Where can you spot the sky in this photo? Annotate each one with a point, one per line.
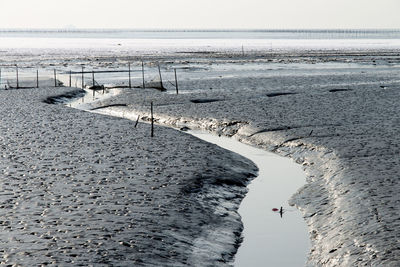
(204, 14)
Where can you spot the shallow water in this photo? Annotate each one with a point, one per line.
(269, 240)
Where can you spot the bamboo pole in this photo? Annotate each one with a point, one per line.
(176, 82)
(0, 77)
(144, 87)
(93, 82)
(37, 78)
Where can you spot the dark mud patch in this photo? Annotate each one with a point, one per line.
(339, 90)
(108, 106)
(65, 97)
(204, 100)
(280, 94)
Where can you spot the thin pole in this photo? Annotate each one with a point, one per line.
(17, 77)
(94, 91)
(70, 77)
(37, 78)
(0, 77)
(176, 82)
(137, 120)
(152, 121)
(55, 78)
(144, 87)
(129, 67)
(159, 72)
(83, 81)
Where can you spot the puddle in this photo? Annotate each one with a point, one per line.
(269, 240)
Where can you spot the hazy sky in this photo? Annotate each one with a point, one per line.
(165, 14)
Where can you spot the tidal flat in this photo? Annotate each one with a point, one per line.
(83, 187)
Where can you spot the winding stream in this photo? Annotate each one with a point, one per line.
(269, 240)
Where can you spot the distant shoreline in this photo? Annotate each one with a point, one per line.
(74, 30)
(201, 34)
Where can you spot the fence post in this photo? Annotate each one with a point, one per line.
(176, 82)
(17, 77)
(94, 91)
(152, 120)
(159, 72)
(83, 81)
(37, 78)
(144, 87)
(137, 120)
(70, 78)
(55, 78)
(129, 67)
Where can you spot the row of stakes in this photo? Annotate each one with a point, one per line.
(93, 82)
(93, 79)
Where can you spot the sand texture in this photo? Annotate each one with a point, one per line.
(341, 122)
(85, 189)
(335, 111)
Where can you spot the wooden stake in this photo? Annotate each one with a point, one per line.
(159, 72)
(94, 91)
(176, 82)
(37, 78)
(17, 76)
(152, 121)
(137, 120)
(144, 87)
(70, 77)
(129, 67)
(83, 81)
(0, 77)
(55, 78)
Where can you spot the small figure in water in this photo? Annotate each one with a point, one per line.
(278, 210)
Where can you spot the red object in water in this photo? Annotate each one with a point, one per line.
(275, 209)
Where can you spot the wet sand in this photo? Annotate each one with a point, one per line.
(80, 188)
(334, 112)
(338, 121)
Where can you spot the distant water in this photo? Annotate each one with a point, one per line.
(119, 41)
(68, 49)
(202, 34)
(159, 41)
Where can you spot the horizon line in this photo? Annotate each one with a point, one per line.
(77, 29)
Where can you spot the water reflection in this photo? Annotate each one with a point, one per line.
(274, 233)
